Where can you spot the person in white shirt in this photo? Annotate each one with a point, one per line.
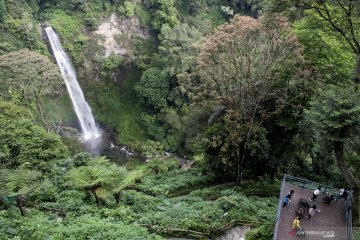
(344, 192)
(315, 194)
(312, 211)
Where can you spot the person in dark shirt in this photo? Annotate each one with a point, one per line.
(286, 200)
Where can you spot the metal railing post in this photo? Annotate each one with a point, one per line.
(279, 208)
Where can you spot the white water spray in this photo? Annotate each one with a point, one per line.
(82, 108)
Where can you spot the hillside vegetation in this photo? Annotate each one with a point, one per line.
(221, 97)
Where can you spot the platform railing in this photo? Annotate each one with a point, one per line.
(348, 216)
(277, 218)
(307, 184)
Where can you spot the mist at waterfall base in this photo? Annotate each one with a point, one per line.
(91, 135)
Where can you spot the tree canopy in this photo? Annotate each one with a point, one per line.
(23, 142)
(239, 68)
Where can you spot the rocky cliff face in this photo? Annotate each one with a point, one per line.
(117, 35)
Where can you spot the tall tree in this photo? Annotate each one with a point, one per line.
(334, 116)
(23, 142)
(342, 18)
(241, 66)
(30, 74)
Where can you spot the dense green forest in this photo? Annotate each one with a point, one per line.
(203, 106)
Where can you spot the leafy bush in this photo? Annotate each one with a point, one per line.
(47, 192)
(172, 181)
(42, 226)
(162, 164)
(143, 15)
(194, 213)
(127, 9)
(70, 29)
(21, 141)
(153, 88)
(264, 232)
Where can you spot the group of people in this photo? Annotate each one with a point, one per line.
(343, 194)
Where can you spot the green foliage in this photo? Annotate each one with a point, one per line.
(176, 48)
(262, 188)
(98, 176)
(190, 7)
(173, 181)
(46, 192)
(152, 149)
(118, 107)
(328, 53)
(67, 26)
(23, 142)
(215, 15)
(263, 232)
(58, 110)
(127, 8)
(334, 113)
(194, 213)
(109, 65)
(30, 74)
(19, 181)
(161, 164)
(162, 12)
(70, 29)
(2, 10)
(18, 29)
(153, 88)
(91, 21)
(143, 15)
(41, 226)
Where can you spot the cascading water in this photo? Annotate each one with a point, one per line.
(82, 108)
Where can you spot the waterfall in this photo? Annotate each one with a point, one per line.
(81, 107)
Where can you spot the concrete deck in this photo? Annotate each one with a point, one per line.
(331, 219)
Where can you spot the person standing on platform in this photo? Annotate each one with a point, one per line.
(286, 200)
(296, 226)
(312, 211)
(291, 195)
(315, 194)
(343, 194)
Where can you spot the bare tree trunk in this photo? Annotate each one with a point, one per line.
(19, 203)
(27, 106)
(238, 166)
(41, 112)
(117, 197)
(345, 172)
(357, 69)
(241, 154)
(96, 198)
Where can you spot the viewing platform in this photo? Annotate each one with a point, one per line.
(331, 221)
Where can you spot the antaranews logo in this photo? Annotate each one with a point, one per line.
(324, 234)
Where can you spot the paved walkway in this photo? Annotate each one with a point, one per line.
(235, 233)
(330, 219)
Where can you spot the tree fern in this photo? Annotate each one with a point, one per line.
(99, 177)
(19, 181)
